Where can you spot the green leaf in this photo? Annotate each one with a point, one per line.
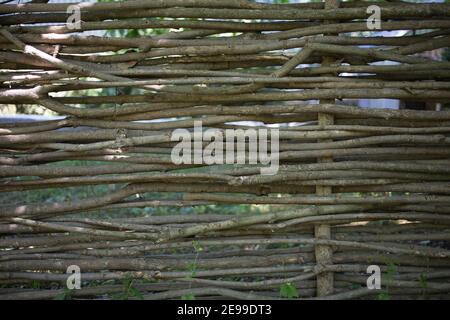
(383, 296)
(132, 33)
(66, 295)
(391, 271)
(197, 246)
(288, 290)
(119, 296)
(60, 296)
(188, 297)
(135, 293)
(192, 268)
(423, 281)
(35, 284)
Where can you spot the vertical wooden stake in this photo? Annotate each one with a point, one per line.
(325, 281)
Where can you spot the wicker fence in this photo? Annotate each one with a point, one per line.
(355, 186)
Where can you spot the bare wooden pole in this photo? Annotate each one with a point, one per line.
(325, 281)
